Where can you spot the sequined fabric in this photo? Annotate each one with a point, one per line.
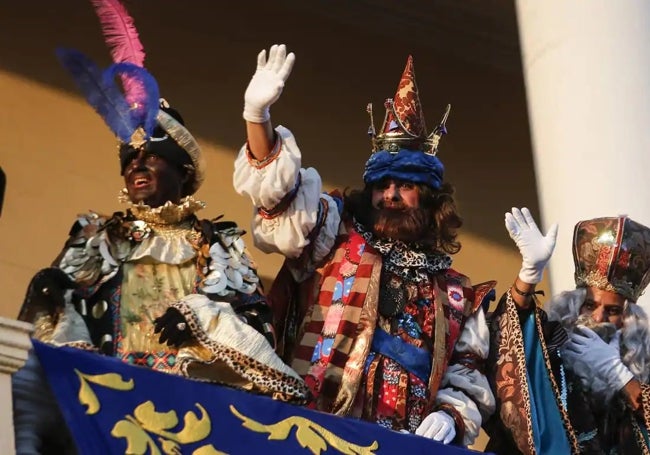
(612, 254)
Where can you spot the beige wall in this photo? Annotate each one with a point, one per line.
(60, 159)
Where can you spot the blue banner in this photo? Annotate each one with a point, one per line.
(115, 408)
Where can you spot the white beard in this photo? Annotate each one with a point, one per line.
(635, 336)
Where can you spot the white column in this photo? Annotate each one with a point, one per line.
(14, 346)
(587, 71)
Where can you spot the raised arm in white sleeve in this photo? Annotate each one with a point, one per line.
(280, 226)
(291, 211)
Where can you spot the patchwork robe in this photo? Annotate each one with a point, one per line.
(326, 303)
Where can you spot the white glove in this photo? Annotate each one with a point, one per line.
(438, 426)
(267, 83)
(595, 359)
(535, 249)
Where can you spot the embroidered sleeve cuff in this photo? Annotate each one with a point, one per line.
(257, 164)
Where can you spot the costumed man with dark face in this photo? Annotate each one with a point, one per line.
(155, 285)
(367, 307)
(574, 379)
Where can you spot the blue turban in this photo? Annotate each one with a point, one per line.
(407, 165)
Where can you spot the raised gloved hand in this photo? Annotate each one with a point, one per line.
(46, 292)
(267, 83)
(173, 328)
(535, 248)
(438, 426)
(593, 358)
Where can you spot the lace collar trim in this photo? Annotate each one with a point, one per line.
(167, 213)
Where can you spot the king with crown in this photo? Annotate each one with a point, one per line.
(574, 379)
(367, 307)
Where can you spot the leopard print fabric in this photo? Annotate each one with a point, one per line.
(264, 379)
(410, 262)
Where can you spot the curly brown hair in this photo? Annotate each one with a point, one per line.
(437, 207)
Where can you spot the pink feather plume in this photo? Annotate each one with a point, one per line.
(120, 33)
(121, 37)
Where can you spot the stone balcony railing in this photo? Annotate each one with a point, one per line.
(14, 346)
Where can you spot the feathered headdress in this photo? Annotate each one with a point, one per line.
(131, 125)
(122, 39)
(136, 113)
(119, 31)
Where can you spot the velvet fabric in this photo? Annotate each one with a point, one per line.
(407, 165)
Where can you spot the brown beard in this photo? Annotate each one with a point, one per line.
(438, 232)
(410, 225)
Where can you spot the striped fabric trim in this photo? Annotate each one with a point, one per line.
(347, 336)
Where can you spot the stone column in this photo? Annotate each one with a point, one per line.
(14, 346)
(587, 72)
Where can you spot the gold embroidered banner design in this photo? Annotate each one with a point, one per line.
(310, 435)
(149, 431)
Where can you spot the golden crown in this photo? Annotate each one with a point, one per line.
(404, 126)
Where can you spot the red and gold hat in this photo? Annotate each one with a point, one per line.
(404, 126)
(403, 150)
(612, 254)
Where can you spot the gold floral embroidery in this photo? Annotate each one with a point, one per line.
(88, 397)
(149, 431)
(310, 435)
(145, 419)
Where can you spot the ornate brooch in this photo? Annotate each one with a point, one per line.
(138, 231)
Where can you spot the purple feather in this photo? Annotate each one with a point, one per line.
(144, 108)
(106, 99)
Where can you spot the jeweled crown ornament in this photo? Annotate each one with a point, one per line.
(404, 126)
(612, 254)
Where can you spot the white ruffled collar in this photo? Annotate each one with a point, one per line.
(169, 244)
